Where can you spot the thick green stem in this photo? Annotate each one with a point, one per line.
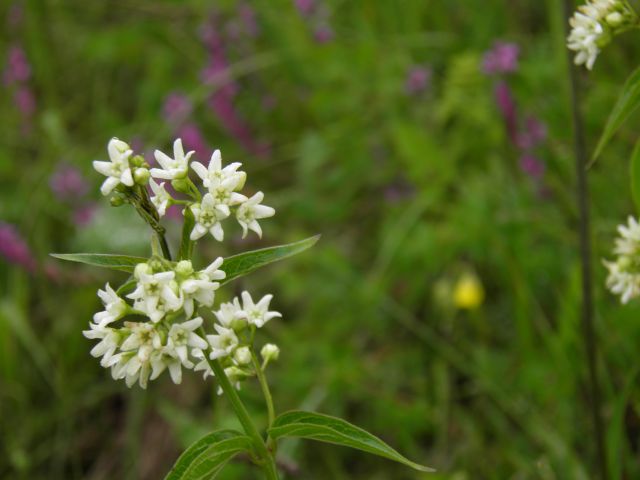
(268, 464)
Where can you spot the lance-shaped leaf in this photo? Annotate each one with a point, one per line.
(244, 263)
(124, 263)
(628, 101)
(207, 457)
(324, 428)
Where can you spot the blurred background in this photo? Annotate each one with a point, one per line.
(429, 143)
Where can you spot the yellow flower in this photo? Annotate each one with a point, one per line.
(468, 292)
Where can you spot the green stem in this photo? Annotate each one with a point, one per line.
(584, 232)
(265, 388)
(268, 462)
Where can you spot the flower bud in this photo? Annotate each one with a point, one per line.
(184, 268)
(137, 161)
(116, 201)
(142, 268)
(242, 355)
(238, 324)
(615, 19)
(141, 176)
(270, 352)
(181, 185)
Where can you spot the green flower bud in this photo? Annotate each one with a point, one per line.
(141, 176)
(270, 352)
(137, 161)
(117, 200)
(242, 355)
(615, 19)
(184, 268)
(238, 324)
(181, 185)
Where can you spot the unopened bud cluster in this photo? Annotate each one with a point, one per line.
(594, 25)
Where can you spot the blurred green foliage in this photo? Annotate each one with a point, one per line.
(410, 191)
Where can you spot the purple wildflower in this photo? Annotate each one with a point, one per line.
(193, 140)
(25, 101)
(14, 249)
(17, 69)
(68, 183)
(83, 215)
(305, 7)
(418, 79)
(533, 134)
(176, 107)
(532, 166)
(502, 58)
(323, 33)
(222, 99)
(507, 106)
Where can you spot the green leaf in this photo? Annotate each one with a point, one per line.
(635, 175)
(186, 245)
(123, 263)
(626, 104)
(244, 263)
(208, 456)
(324, 428)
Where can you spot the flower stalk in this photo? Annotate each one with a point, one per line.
(587, 313)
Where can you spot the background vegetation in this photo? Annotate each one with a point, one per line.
(440, 309)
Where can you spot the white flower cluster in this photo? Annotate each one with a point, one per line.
(624, 272)
(222, 186)
(232, 342)
(167, 295)
(593, 26)
(141, 351)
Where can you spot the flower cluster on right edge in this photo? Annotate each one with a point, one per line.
(624, 272)
(152, 324)
(594, 25)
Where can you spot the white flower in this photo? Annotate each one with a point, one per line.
(114, 307)
(172, 168)
(629, 241)
(182, 336)
(156, 293)
(624, 272)
(131, 367)
(231, 315)
(208, 215)
(109, 341)
(160, 197)
(257, 313)
(222, 344)
(142, 335)
(117, 170)
(250, 212)
(270, 352)
(165, 358)
(584, 38)
(199, 286)
(215, 175)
